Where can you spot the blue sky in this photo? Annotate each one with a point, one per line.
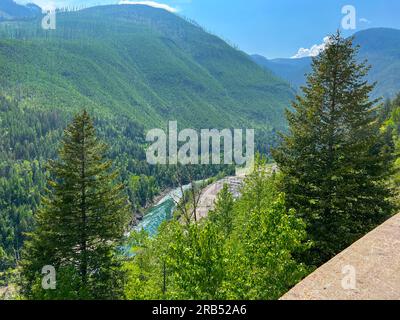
(273, 28)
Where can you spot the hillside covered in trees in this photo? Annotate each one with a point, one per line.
(141, 62)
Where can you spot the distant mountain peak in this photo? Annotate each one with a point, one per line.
(380, 46)
(10, 10)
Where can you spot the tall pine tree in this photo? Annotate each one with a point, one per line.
(333, 166)
(80, 223)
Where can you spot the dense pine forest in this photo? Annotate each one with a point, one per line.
(74, 177)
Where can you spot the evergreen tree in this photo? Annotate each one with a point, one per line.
(80, 223)
(391, 130)
(333, 166)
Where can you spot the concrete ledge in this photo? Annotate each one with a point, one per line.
(367, 270)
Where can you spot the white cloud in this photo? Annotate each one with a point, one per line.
(152, 4)
(314, 51)
(365, 20)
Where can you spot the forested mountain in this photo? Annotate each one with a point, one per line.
(9, 10)
(382, 49)
(381, 46)
(145, 63)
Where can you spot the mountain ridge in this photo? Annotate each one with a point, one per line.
(380, 46)
(144, 62)
(10, 10)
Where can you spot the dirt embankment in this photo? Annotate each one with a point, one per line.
(210, 193)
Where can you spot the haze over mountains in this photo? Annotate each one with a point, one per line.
(380, 46)
(9, 10)
(292, 70)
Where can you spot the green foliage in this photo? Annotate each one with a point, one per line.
(243, 250)
(143, 189)
(196, 261)
(265, 239)
(391, 131)
(333, 164)
(80, 222)
(19, 196)
(222, 215)
(263, 267)
(8, 280)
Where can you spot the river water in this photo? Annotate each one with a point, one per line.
(162, 211)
